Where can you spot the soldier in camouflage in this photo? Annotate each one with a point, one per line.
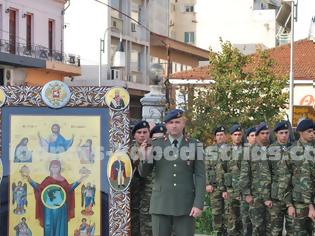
(279, 177)
(228, 181)
(254, 182)
(300, 197)
(217, 205)
(140, 186)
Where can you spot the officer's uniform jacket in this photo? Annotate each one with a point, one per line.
(179, 184)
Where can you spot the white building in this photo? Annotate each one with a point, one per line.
(31, 34)
(245, 23)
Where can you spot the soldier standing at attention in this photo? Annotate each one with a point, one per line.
(140, 217)
(253, 180)
(229, 175)
(179, 181)
(251, 136)
(279, 177)
(217, 203)
(300, 198)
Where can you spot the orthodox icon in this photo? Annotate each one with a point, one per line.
(88, 199)
(19, 197)
(2, 97)
(119, 171)
(117, 98)
(85, 152)
(55, 143)
(85, 229)
(22, 228)
(22, 153)
(54, 199)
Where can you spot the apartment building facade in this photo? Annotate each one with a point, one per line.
(31, 43)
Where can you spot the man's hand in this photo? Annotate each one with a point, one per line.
(268, 203)
(144, 150)
(249, 199)
(291, 211)
(209, 188)
(195, 212)
(311, 212)
(225, 195)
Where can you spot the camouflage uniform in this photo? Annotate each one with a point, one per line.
(301, 191)
(140, 194)
(217, 204)
(254, 181)
(279, 183)
(228, 178)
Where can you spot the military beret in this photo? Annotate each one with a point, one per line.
(305, 125)
(158, 128)
(235, 128)
(140, 125)
(281, 126)
(250, 130)
(218, 129)
(314, 126)
(262, 126)
(173, 114)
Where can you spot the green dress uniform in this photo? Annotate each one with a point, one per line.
(178, 185)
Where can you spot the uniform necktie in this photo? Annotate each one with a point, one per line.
(175, 142)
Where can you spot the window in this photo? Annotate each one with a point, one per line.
(29, 26)
(189, 8)
(12, 30)
(51, 29)
(189, 37)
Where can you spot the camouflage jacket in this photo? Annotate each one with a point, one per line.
(301, 185)
(213, 155)
(229, 169)
(255, 177)
(279, 175)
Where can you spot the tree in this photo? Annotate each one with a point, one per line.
(245, 90)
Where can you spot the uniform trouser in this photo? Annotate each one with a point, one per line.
(233, 219)
(162, 225)
(258, 217)
(276, 215)
(145, 217)
(217, 210)
(300, 225)
(246, 223)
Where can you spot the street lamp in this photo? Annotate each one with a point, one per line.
(291, 89)
(119, 57)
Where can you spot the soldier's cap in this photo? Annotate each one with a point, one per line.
(173, 114)
(157, 129)
(140, 125)
(314, 126)
(262, 126)
(219, 129)
(250, 130)
(282, 125)
(235, 128)
(305, 125)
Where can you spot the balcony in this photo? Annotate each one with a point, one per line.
(37, 52)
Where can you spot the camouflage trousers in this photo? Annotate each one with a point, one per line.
(246, 223)
(140, 194)
(217, 210)
(232, 217)
(276, 215)
(259, 218)
(300, 225)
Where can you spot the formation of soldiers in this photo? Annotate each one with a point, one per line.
(263, 188)
(255, 187)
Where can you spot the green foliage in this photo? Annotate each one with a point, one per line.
(245, 90)
(204, 222)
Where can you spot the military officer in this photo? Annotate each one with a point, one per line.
(159, 130)
(140, 187)
(300, 197)
(179, 181)
(279, 177)
(253, 178)
(228, 176)
(217, 204)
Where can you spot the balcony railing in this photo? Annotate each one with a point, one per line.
(37, 51)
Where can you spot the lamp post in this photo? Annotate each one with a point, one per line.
(102, 50)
